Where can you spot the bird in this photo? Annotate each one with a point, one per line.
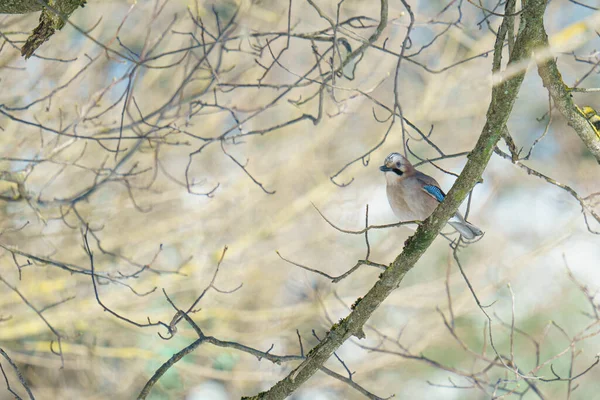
(414, 195)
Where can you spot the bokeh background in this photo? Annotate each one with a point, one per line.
(533, 230)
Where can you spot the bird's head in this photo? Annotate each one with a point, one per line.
(396, 164)
(396, 168)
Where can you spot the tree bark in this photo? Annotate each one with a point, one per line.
(20, 6)
(53, 17)
(503, 98)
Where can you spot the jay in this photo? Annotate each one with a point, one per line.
(413, 195)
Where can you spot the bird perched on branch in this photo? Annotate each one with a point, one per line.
(413, 195)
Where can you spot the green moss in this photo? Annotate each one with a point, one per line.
(257, 397)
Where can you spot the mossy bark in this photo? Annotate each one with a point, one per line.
(53, 17)
(20, 6)
(500, 108)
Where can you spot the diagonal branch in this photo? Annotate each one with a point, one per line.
(19, 375)
(561, 94)
(503, 99)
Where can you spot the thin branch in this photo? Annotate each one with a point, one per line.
(19, 376)
(503, 98)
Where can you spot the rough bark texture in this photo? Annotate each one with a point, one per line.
(548, 71)
(53, 17)
(503, 99)
(20, 6)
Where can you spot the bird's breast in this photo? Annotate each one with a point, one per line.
(410, 203)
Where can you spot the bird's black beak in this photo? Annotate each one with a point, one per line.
(383, 168)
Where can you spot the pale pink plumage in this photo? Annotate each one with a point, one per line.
(412, 195)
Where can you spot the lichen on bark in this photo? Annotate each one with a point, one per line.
(503, 98)
(53, 17)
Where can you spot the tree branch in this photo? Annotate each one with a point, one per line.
(20, 6)
(52, 18)
(561, 94)
(503, 99)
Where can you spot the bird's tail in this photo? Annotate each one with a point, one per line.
(466, 229)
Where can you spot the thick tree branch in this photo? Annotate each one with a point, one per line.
(20, 6)
(53, 17)
(561, 94)
(503, 99)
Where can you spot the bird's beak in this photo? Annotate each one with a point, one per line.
(383, 168)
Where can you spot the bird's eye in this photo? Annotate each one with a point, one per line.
(398, 165)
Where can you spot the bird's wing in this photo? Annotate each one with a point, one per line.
(435, 192)
(430, 186)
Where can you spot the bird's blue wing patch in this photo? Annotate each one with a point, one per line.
(435, 192)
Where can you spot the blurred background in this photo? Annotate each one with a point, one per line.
(174, 133)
